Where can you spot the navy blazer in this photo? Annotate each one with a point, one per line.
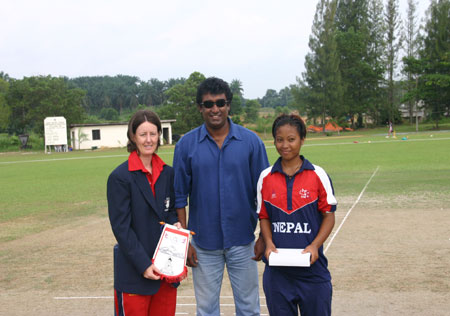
(135, 215)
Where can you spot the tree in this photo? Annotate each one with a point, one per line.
(376, 46)
(238, 97)
(393, 45)
(434, 64)
(251, 110)
(301, 94)
(5, 110)
(236, 105)
(270, 99)
(181, 104)
(358, 46)
(236, 88)
(32, 99)
(322, 64)
(109, 114)
(412, 44)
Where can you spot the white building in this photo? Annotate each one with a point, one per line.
(109, 135)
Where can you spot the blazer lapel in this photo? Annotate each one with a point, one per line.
(144, 186)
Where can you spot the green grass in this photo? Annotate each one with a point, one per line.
(40, 191)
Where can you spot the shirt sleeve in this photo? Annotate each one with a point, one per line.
(327, 200)
(259, 160)
(182, 180)
(261, 207)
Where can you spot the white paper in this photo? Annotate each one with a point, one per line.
(289, 258)
(170, 254)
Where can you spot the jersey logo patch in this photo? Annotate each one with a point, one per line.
(304, 194)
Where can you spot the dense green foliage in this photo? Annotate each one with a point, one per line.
(352, 76)
(432, 67)
(32, 99)
(355, 47)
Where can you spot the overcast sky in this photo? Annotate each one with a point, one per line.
(262, 43)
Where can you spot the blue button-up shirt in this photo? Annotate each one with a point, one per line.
(221, 185)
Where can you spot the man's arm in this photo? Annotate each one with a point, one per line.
(192, 260)
(181, 212)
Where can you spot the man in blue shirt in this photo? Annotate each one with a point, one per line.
(217, 166)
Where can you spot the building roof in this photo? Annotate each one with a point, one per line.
(113, 123)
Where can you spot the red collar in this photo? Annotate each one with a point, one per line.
(135, 163)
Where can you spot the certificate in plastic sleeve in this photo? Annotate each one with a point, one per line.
(171, 253)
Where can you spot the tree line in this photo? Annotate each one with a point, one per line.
(364, 61)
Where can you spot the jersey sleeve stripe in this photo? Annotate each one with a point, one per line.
(331, 199)
(263, 174)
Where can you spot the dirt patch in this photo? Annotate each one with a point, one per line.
(384, 261)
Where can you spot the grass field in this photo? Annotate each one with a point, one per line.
(62, 197)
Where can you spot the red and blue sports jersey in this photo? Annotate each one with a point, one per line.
(294, 206)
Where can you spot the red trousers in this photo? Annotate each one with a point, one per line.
(163, 303)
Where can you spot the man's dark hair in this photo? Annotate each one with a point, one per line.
(137, 119)
(213, 86)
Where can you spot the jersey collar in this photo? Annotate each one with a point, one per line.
(306, 165)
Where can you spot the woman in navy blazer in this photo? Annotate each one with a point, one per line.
(140, 196)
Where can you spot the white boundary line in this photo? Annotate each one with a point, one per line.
(373, 142)
(112, 297)
(351, 208)
(268, 147)
(70, 158)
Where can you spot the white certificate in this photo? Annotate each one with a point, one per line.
(289, 258)
(171, 252)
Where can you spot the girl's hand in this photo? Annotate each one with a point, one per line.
(177, 225)
(152, 273)
(270, 248)
(314, 251)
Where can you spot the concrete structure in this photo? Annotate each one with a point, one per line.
(109, 135)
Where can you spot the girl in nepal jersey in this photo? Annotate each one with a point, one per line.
(296, 206)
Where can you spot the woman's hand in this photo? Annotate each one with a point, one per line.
(152, 273)
(314, 251)
(270, 247)
(177, 225)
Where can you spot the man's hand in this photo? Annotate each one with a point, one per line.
(259, 248)
(192, 260)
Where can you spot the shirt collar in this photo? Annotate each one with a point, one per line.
(306, 165)
(135, 163)
(233, 132)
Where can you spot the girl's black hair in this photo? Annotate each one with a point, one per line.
(137, 119)
(291, 119)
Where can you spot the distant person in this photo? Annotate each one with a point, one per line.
(296, 206)
(391, 129)
(140, 196)
(217, 167)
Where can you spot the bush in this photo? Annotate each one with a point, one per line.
(12, 142)
(109, 114)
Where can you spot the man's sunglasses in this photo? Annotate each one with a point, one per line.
(209, 104)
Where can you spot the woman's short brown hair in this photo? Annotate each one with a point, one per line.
(137, 119)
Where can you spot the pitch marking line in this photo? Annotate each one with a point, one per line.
(350, 210)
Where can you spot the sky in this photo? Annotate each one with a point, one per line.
(261, 43)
